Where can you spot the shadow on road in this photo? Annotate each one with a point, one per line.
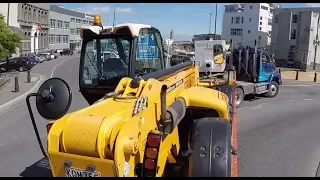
(38, 169)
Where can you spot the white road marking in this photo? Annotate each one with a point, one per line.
(295, 85)
(6, 106)
(287, 101)
(59, 65)
(308, 99)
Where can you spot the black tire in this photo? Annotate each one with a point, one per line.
(239, 96)
(21, 69)
(211, 145)
(273, 90)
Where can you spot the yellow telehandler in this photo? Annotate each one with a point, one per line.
(144, 120)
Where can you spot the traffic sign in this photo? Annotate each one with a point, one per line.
(147, 47)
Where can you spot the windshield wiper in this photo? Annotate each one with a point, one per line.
(97, 70)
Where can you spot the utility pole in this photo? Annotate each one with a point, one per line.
(215, 22)
(210, 23)
(316, 43)
(114, 14)
(8, 14)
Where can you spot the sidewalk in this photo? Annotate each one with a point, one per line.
(303, 76)
(7, 92)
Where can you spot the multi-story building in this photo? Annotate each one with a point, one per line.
(294, 34)
(30, 20)
(65, 27)
(248, 23)
(199, 37)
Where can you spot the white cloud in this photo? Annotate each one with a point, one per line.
(313, 4)
(102, 10)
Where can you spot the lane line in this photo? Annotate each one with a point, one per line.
(59, 65)
(7, 105)
(308, 99)
(295, 85)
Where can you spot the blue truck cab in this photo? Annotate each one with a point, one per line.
(256, 74)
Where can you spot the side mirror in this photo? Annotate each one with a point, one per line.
(53, 98)
(53, 101)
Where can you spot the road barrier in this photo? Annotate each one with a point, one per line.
(28, 76)
(16, 84)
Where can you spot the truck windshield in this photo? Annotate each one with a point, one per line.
(105, 59)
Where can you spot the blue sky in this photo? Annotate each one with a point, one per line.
(186, 19)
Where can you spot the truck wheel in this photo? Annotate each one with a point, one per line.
(273, 90)
(211, 146)
(239, 96)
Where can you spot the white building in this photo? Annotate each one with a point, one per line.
(245, 23)
(294, 33)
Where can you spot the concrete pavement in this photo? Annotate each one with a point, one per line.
(280, 136)
(277, 137)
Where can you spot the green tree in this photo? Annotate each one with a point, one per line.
(9, 40)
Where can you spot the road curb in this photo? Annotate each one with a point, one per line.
(8, 105)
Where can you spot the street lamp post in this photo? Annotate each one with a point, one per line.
(210, 23)
(114, 14)
(215, 22)
(316, 43)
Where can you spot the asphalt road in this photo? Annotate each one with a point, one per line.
(277, 137)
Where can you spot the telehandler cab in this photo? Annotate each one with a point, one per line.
(144, 120)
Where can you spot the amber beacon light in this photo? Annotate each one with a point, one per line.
(97, 20)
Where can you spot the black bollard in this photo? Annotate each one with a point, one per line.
(315, 77)
(28, 77)
(16, 84)
(280, 71)
(297, 75)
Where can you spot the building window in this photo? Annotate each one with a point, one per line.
(294, 18)
(78, 21)
(270, 22)
(249, 19)
(259, 37)
(260, 23)
(59, 39)
(236, 32)
(65, 39)
(237, 20)
(78, 31)
(292, 48)
(231, 20)
(72, 20)
(66, 25)
(90, 22)
(72, 31)
(52, 23)
(260, 28)
(52, 39)
(249, 31)
(59, 24)
(293, 34)
(242, 20)
(260, 17)
(250, 7)
(85, 22)
(276, 19)
(271, 11)
(264, 8)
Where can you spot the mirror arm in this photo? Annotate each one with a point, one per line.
(34, 122)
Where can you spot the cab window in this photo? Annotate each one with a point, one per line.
(149, 56)
(217, 49)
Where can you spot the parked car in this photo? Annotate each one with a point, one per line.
(35, 59)
(66, 52)
(21, 63)
(41, 58)
(179, 59)
(55, 54)
(45, 56)
(48, 55)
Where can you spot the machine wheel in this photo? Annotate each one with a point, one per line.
(211, 146)
(273, 90)
(239, 96)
